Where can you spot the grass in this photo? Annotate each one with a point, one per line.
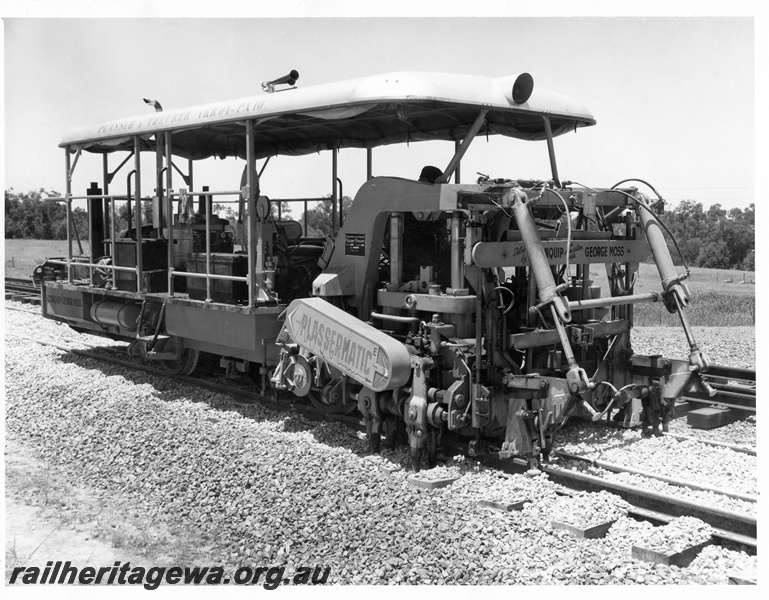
(701, 280)
(710, 309)
(21, 256)
(716, 302)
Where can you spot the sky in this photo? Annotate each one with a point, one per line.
(673, 96)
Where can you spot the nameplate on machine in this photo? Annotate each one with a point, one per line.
(513, 254)
(66, 303)
(355, 244)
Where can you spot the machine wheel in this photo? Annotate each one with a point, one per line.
(329, 400)
(184, 366)
(299, 373)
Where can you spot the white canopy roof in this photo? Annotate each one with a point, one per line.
(358, 113)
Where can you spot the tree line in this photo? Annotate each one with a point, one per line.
(714, 238)
(37, 215)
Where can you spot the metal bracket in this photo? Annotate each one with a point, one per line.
(582, 336)
(111, 176)
(74, 164)
(187, 178)
(457, 397)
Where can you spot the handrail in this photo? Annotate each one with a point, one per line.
(207, 193)
(72, 263)
(95, 197)
(207, 275)
(54, 261)
(176, 273)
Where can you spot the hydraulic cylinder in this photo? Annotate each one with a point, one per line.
(674, 293)
(548, 291)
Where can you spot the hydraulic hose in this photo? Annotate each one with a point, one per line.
(648, 208)
(646, 183)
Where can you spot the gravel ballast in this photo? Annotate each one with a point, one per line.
(268, 488)
(727, 346)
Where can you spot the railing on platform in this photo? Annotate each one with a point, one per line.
(182, 195)
(183, 208)
(70, 263)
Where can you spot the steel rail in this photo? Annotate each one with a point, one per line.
(746, 404)
(13, 284)
(720, 380)
(730, 372)
(734, 391)
(734, 447)
(615, 468)
(22, 290)
(725, 520)
(19, 280)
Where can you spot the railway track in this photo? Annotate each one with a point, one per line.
(22, 290)
(729, 526)
(735, 388)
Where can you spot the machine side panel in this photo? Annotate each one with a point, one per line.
(230, 329)
(63, 303)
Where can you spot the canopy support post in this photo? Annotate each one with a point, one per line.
(138, 199)
(334, 166)
(169, 213)
(459, 164)
(189, 179)
(105, 187)
(551, 151)
(68, 196)
(454, 163)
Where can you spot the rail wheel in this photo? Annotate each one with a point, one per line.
(329, 399)
(184, 366)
